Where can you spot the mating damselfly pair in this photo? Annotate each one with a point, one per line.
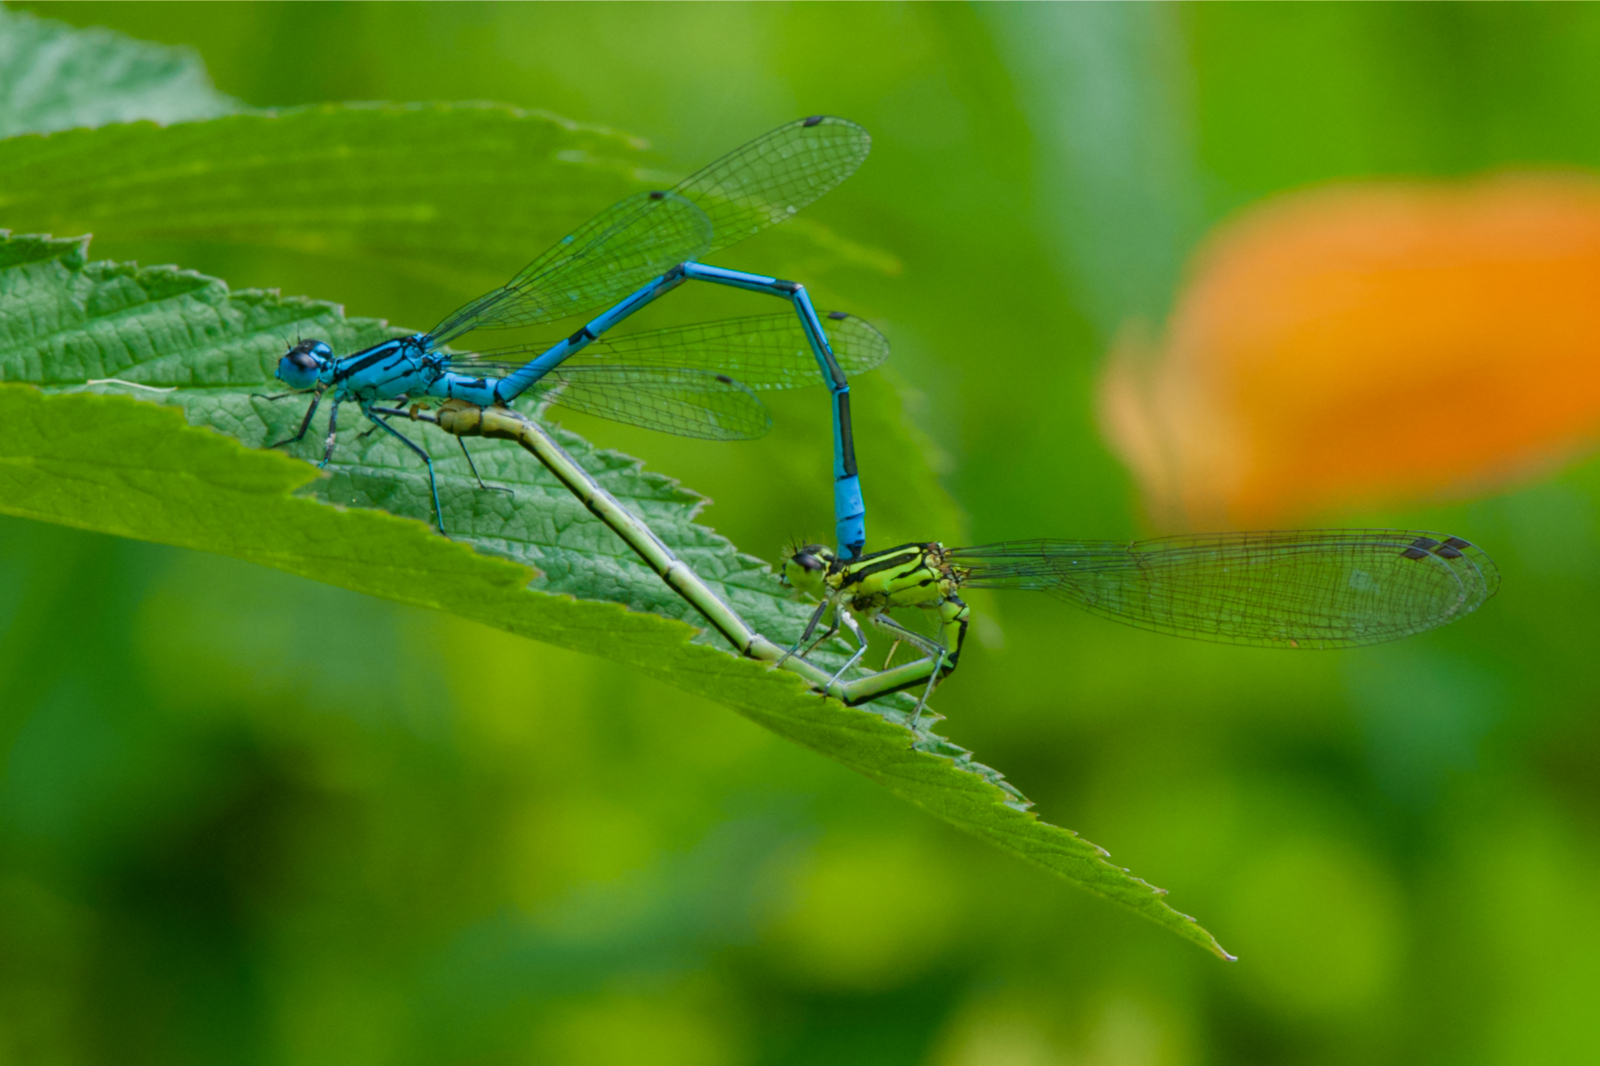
(1299, 589)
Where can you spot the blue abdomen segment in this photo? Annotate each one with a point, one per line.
(849, 513)
(849, 508)
(482, 391)
(518, 382)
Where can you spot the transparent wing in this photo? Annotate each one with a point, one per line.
(687, 403)
(1321, 588)
(775, 176)
(601, 261)
(747, 190)
(763, 352)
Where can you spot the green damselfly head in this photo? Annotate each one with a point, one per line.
(805, 566)
(303, 364)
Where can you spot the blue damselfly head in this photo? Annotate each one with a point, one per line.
(302, 365)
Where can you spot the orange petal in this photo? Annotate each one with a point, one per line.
(1360, 345)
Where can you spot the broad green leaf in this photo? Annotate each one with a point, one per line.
(89, 438)
(462, 193)
(54, 77)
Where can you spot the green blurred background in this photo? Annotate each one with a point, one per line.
(247, 818)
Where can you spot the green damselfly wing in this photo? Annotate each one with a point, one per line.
(1303, 588)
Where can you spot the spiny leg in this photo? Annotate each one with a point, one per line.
(811, 627)
(933, 679)
(387, 413)
(474, 468)
(861, 641)
(928, 645)
(333, 433)
(305, 423)
(370, 430)
(933, 649)
(433, 482)
(833, 629)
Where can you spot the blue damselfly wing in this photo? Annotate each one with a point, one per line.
(685, 403)
(755, 186)
(762, 351)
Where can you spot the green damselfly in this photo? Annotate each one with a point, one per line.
(1317, 588)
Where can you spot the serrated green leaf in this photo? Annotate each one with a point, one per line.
(189, 469)
(55, 77)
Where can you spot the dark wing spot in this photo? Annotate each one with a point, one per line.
(1415, 553)
(1457, 543)
(837, 315)
(725, 379)
(1425, 543)
(812, 121)
(1444, 551)
(658, 195)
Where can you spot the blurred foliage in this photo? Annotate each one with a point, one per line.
(54, 77)
(250, 818)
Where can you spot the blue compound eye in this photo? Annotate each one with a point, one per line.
(301, 364)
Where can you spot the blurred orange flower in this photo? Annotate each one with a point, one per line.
(1357, 345)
